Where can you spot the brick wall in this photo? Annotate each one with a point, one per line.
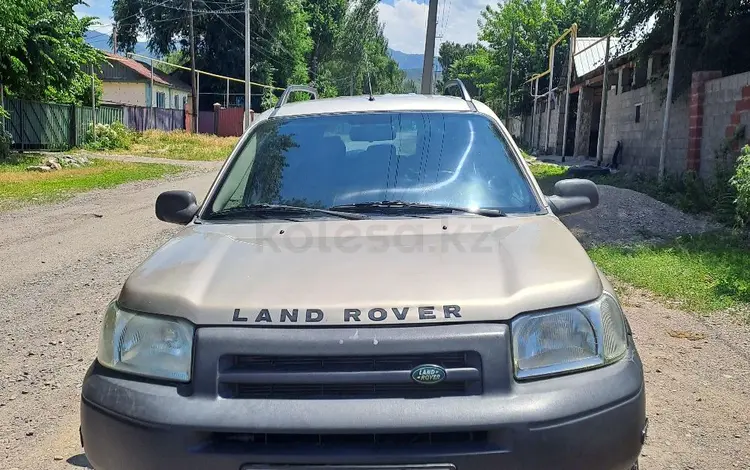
(726, 105)
(641, 141)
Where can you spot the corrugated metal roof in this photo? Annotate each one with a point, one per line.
(590, 52)
(136, 67)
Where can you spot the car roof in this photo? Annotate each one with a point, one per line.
(362, 103)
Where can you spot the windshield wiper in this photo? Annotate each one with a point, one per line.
(415, 206)
(267, 210)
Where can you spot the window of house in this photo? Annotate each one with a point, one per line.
(184, 102)
(161, 99)
(177, 102)
(638, 112)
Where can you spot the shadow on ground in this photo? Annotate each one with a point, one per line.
(79, 460)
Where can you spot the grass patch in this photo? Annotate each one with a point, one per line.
(180, 145)
(703, 273)
(547, 174)
(18, 186)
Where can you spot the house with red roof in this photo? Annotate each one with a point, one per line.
(126, 81)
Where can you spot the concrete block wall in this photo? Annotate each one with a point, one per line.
(556, 125)
(583, 124)
(726, 105)
(641, 141)
(542, 136)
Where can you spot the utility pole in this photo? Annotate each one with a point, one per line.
(510, 74)
(93, 102)
(534, 119)
(192, 70)
(571, 56)
(114, 38)
(248, 91)
(670, 85)
(549, 97)
(429, 48)
(603, 112)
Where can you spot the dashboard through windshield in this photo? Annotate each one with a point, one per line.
(439, 158)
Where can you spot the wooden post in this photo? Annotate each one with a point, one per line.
(93, 103)
(217, 109)
(603, 112)
(670, 86)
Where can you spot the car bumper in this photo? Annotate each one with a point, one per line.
(592, 420)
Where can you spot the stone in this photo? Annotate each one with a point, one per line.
(40, 168)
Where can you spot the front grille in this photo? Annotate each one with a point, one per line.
(363, 390)
(346, 377)
(352, 440)
(448, 360)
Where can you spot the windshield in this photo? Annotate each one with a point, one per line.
(451, 159)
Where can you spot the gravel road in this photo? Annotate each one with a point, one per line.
(61, 264)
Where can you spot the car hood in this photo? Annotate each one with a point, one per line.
(364, 272)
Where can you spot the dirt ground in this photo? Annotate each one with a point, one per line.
(61, 264)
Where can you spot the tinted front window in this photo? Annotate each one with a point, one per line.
(456, 159)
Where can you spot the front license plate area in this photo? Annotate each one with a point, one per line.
(349, 467)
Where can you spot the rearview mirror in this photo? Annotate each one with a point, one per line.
(176, 207)
(573, 195)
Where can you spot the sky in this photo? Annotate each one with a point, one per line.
(405, 21)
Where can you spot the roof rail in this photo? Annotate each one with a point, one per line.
(291, 89)
(457, 83)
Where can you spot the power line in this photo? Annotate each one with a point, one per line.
(280, 45)
(257, 46)
(442, 20)
(173, 7)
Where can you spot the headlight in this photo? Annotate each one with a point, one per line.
(147, 345)
(570, 339)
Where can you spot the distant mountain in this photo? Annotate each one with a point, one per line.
(410, 61)
(101, 41)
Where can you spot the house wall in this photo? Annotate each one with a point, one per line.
(641, 141)
(702, 120)
(169, 95)
(583, 124)
(131, 93)
(726, 106)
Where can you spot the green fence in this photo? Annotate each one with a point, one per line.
(84, 119)
(49, 126)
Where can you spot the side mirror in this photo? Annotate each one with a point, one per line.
(573, 195)
(176, 207)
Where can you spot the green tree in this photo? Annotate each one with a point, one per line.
(410, 86)
(178, 57)
(713, 35)
(43, 54)
(325, 18)
(535, 25)
(280, 37)
(464, 61)
(362, 50)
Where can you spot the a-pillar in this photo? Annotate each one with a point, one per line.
(583, 121)
(695, 134)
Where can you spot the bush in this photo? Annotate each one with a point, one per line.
(6, 140)
(740, 181)
(109, 137)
